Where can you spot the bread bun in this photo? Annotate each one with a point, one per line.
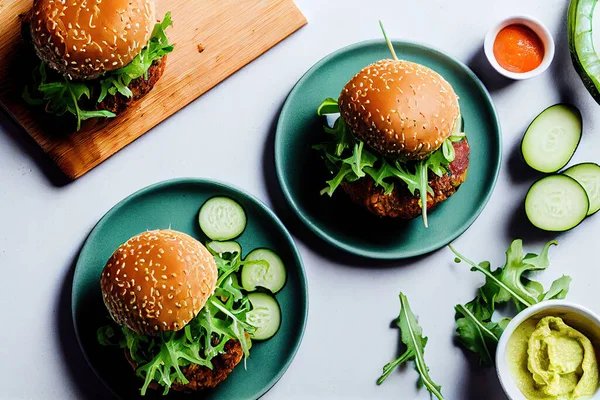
(399, 108)
(158, 281)
(84, 38)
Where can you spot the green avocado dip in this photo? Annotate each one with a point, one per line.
(549, 360)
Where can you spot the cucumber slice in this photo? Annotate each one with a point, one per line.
(581, 17)
(225, 247)
(556, 203)
(265, 315)
(222, 218)
(271, 276)
(551, 139)
(588, 176)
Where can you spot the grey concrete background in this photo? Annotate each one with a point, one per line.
(43, 222)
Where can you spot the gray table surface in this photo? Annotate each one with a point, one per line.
(43, 222)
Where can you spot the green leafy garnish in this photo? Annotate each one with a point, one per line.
(348, 159)
(161, 358)
(476, 329)
(62, 95)
(328, 106)
(412, 337)
(118, 80)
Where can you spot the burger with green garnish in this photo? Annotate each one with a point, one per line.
(177, 311)
(94, 57)
(398, 147)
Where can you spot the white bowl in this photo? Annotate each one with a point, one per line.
(535, 26)
(573, 314)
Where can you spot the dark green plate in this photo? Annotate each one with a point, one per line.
(301, 172)
(175, 204)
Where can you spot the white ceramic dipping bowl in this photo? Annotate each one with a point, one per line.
(574, 315)
(537, 27)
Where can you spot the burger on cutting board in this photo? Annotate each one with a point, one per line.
(94, 58)
(398, 147)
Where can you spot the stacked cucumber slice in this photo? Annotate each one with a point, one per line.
(263, 273)
(560, 201)
(265, 315)
(588, 176)
(556, 203)
(551, 139)
(267, 271)
(224, 247)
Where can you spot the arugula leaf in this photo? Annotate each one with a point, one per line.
(62, 95)
(348, 160)
(396, 170)
(160, 359)
(478, 334)
(360, 159)
(423, 178)
(436, 163)
(230, 288)
(342, 138)
(328, 106)
(476, 329)
(448, 151)
(512, 274)
(30, 99)
(379, 175)
(412, 337)
(558, 289)
(337, 180)
(521, 297)
(158, 45)
(107, 336)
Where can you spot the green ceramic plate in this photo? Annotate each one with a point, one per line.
(175, 204)
(346, 226)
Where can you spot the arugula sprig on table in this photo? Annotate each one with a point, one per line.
(413, 339)
(348, 160)
(60, 95)
(476, 329)
(223, 318)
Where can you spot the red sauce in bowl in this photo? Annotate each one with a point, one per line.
(519, 49)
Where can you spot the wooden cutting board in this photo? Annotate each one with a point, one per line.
(231, 32)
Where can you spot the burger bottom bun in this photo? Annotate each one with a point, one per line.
(401, 203)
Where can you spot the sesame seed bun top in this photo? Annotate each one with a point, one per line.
(399, 108)
(84, 38)
(158, 281)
